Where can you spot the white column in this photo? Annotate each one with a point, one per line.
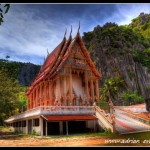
(65, 91)
(86, 87)
(92, 90)
(26, 126)
(41, 126)
(46, 128)
(21, 126)
(97, 90)
(58, 93)
(70, 87)
(32, 126)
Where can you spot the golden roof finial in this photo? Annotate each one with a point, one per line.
(79, 27)
(71, 30)
(65, 33)
(47, 52)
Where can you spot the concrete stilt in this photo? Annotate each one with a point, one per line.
(67, 127)
(61, 127)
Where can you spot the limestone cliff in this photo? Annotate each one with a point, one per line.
(118, 50)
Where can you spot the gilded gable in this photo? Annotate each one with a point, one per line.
(76, 52)
(77, 58)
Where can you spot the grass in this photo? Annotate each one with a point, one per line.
(140, 136)
(82, 135)
(5, 129)
(137, 136)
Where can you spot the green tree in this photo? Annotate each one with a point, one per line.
(132, 98)
(9, 98)
(110, 90)
(3, 10)
(22, 99)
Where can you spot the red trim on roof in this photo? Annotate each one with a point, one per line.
(68, 117)
(47, 64)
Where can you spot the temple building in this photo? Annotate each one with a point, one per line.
(60, 99)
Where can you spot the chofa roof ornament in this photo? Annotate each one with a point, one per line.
(71, 30)
(47, 52)
(79, 27)
(65, 33)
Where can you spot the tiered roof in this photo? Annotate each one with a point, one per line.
(57, 57)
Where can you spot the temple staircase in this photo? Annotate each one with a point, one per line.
(104, 120)
(126, 122)
(121, 121)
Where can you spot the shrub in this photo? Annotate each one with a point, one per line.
(132, 98)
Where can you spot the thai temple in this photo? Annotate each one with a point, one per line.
(60, 99)
(62, 96)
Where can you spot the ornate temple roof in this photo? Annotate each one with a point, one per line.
(57, 57)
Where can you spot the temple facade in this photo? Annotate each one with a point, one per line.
(68, 77)
(60, 99)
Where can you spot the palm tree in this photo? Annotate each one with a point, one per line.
(109, 92)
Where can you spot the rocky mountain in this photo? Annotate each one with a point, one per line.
(123, 50)
(27, 73)
(23, 72)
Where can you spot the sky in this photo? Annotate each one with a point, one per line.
(29, 30)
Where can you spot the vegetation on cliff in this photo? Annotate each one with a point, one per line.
(123, 51)
(23, 72)
(13, 85)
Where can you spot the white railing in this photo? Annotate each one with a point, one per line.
(135, 108)
(131, 115)
(104, 119)
(132, 123)
(54, 110)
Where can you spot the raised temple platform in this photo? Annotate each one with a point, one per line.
(54, 110)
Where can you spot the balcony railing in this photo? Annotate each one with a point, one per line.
(54, 110)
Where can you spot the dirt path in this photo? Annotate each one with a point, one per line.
(9, 140)
(64, 142)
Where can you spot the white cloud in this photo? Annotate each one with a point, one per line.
(126, 12)
(24, 35)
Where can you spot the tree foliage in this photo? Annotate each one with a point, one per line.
(132, 98)
(23, 72)
(9, 98)
(143, 57)
(22, 98)
(12, 95)
(141, 25)
(11, 67)
(111, 44)
(111, 88)
(3, 10)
